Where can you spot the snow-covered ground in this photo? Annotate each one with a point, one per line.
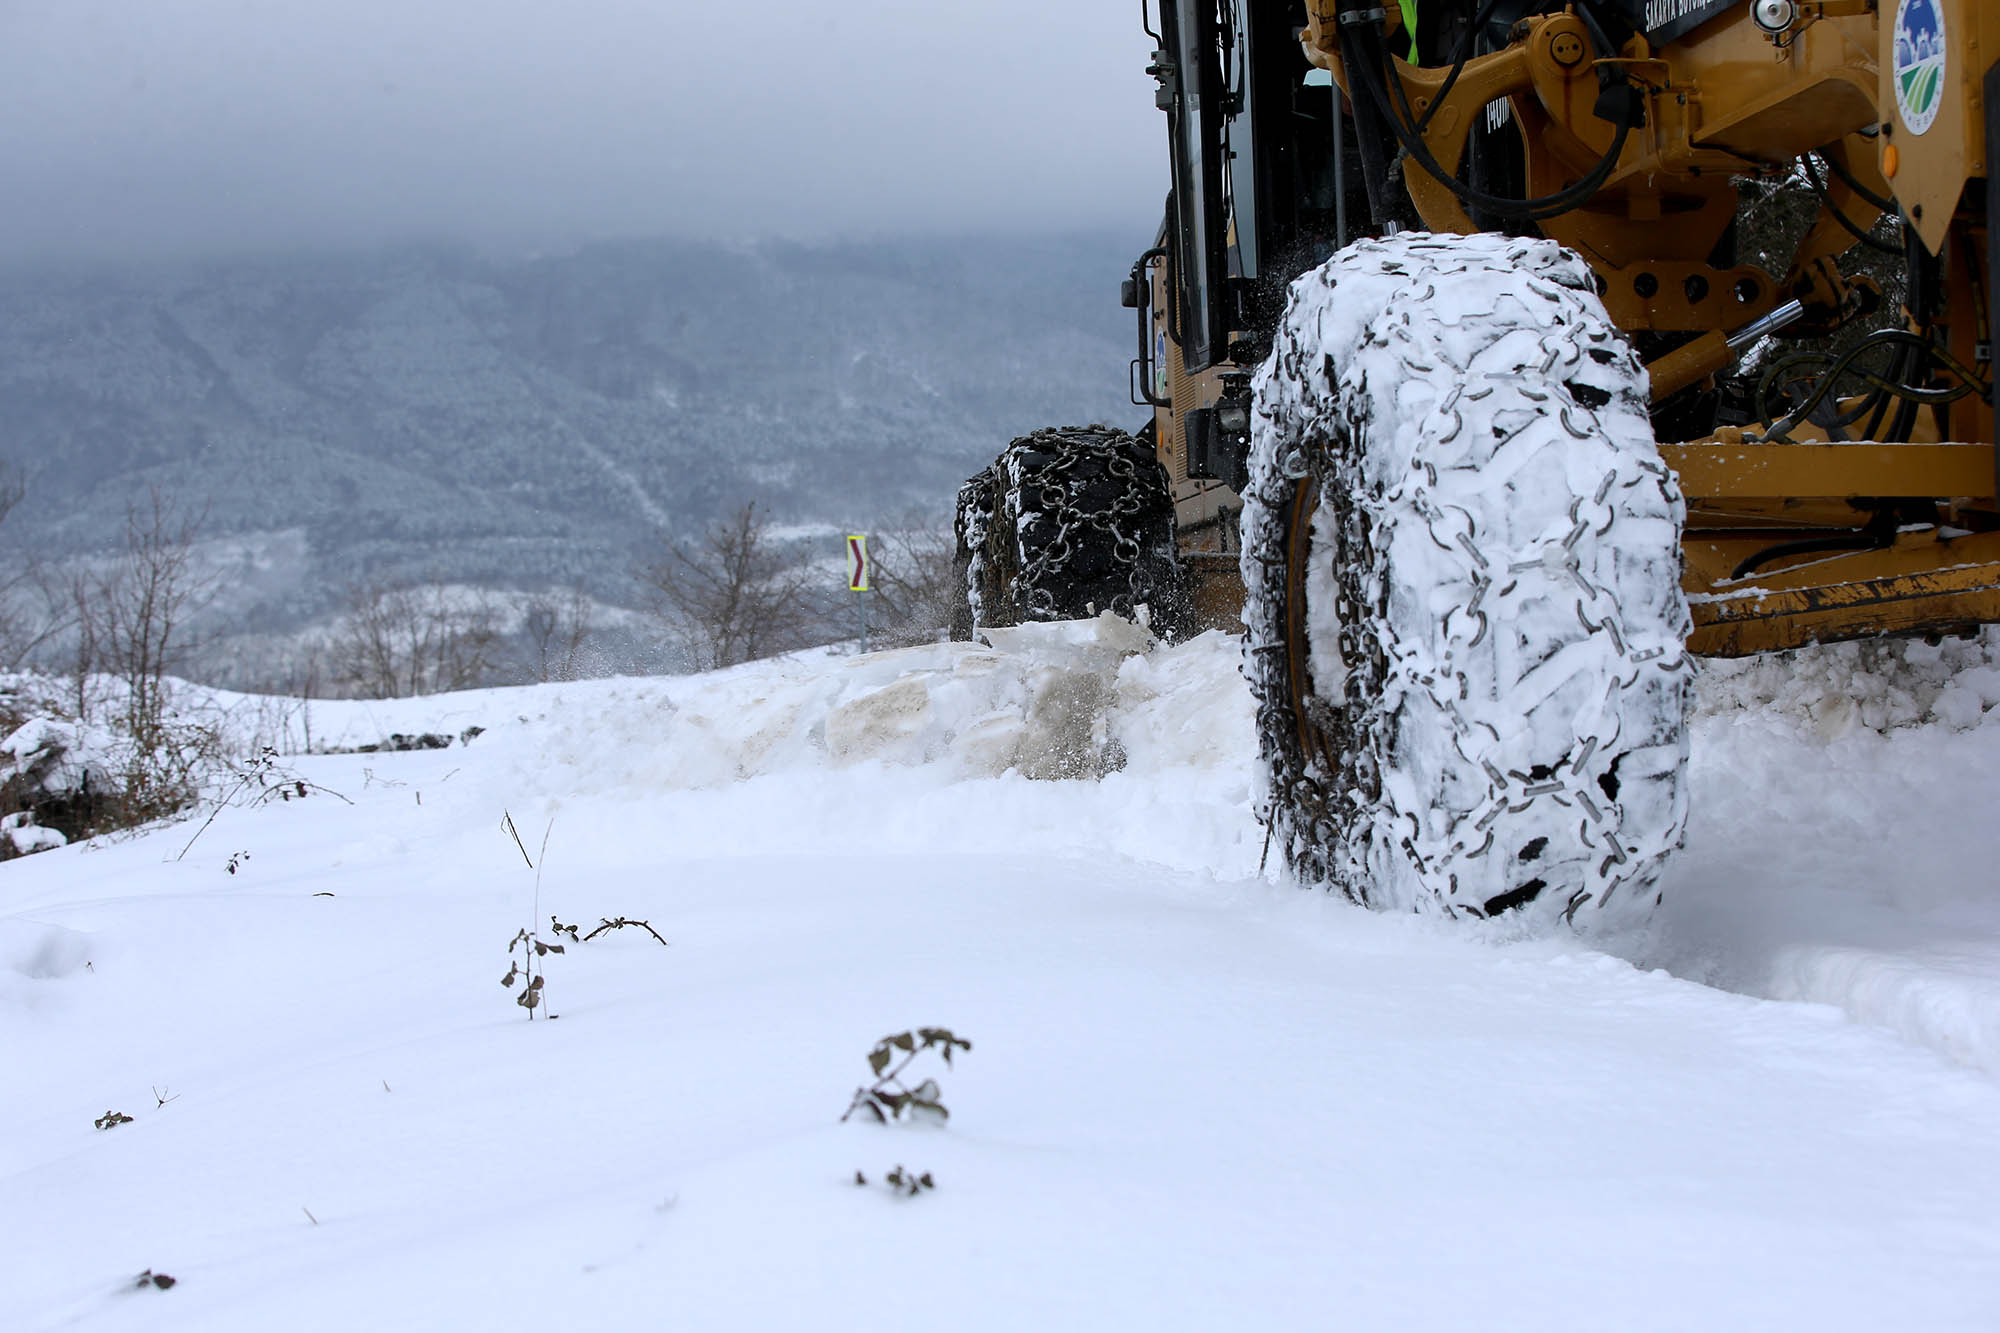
(1197, 1097)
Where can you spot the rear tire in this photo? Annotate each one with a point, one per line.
(1462, 573)
(1068, 523)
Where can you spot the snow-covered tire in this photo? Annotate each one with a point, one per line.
(1069, 522)
(1462, 570)
(973, 518)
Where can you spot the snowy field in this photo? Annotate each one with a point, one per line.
(1197, 1098)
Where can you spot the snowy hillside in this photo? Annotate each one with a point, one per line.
(434, 414)
(1196, 1097)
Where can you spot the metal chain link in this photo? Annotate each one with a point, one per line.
(1060, 468)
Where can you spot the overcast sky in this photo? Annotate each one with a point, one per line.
(133, 128)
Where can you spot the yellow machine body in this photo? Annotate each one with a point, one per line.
(1726, 99)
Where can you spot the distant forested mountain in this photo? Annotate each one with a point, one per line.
(444, 415)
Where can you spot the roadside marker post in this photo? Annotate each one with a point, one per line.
(859, 568)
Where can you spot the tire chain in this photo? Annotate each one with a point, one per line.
(1326, 804)
(1068, 521)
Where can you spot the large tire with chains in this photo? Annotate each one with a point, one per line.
(1069, 522)
(1465, 622)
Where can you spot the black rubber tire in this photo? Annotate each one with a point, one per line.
(1461, 558)
(1068, 523)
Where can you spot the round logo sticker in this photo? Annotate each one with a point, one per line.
(1919, 69)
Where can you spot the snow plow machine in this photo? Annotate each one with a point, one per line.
(1484, 402)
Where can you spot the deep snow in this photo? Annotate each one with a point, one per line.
(1197, 1098)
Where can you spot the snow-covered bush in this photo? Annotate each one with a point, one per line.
(68, 773)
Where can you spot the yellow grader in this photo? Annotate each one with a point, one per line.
(1476, 407)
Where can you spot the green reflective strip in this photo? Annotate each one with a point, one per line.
(1409, 8)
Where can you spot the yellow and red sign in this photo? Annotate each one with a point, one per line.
(858, 565)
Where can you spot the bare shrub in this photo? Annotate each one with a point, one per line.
(915, 579)
(557, 625)
(303, 682)
(137, 612)
(131, 626)
(110, 746)
(735, 594)
(415, 640)
(34, 611)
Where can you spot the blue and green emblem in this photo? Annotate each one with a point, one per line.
(1918, 71)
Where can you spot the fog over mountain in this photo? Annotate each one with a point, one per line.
(437, 414)
(149, 128)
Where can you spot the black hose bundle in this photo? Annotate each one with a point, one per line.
(1618, 103)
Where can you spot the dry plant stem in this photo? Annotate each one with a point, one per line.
(507, 827)
(891, 1076)
(258, 770)
(220, 805)
(620, 923)
(543, 853)
(531, 996)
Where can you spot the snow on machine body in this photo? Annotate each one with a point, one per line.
(1482, 400)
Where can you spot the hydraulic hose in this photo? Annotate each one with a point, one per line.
(1847, 178)
(1369, 72)
(1911, 396)
(1848, 224)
